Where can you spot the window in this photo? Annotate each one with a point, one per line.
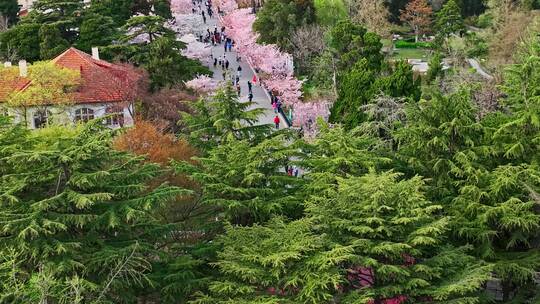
(115, 117)
(84, 115)
(42, 118)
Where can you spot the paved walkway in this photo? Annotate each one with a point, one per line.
(476, 65)
(260, 98)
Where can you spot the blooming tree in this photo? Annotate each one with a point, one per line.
(225, 6)
(197, 50)
(184, 24)
(202, 84)
(306, 114)
(181, 6)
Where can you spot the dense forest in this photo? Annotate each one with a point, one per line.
(412, 188)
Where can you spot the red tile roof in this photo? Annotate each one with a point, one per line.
(101, 81)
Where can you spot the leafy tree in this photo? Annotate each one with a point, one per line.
(51, 42)
(435, 67)
(167, 67)
(118, 10)
(351, 42)
(328, 12)
(151, 27)
(401, 83)
(10, 10)
(417, 14)
(50, 85)
(278, 19)
(74, 208)
(449, 20)
(22, 40)
(442, 141)
(163, 8)
(222, 118)
(355, 90)
(96, 30)
(62, 14)
(366, 238)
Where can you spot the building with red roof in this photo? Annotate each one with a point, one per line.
(105, 89)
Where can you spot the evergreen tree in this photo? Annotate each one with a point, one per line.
(278, 19)
(75, 209)
(351, 42)
(96, 30)
(435, 67)
(10, 10)
(118, 10)
(356, 89)
(442, 141)
(51, 42)
(21, 40)
(149, 27)
(222, 118)
(401, 83)
(368, 238)
(166, 65)
(449, 20)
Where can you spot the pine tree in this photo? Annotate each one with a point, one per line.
(51, 42)
(363, 240)
(449, 20)
(74, 206)
(10, 10)
(222, 118)
(443, 141)
(245, 181)
(96, 30)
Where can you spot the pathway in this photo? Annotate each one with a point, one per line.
(476, 65)
(261, 98)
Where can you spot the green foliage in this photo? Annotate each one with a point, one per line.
(351, 42)
(401, 83)
(118, 10)
(166, 66)
(77, 209)
(278, 19)
(402, 44)
(10, 10)
(355, 91)
(96, 30)
(329, 12)
(51, 42)
(435, 67)
(223, 118)
(442, 140)
(151, 26)
(21, 40)
(449, 20)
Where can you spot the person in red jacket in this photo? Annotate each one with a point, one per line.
(276, 121)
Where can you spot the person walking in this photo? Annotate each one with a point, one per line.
(239, 70)
(227, 64)
(250, 86)
(250, 97)
(274, 106)
(215, 62)
(254, 79)
(276, 121)
(203, 17)
(238, 89)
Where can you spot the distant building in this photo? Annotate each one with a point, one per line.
(105, 90)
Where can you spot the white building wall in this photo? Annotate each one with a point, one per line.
(65, 115)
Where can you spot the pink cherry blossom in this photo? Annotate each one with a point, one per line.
(202, 84)
(198, 50)
(181, 6)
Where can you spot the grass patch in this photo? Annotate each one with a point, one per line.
(411, 54)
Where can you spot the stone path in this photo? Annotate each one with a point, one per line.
(260, 96)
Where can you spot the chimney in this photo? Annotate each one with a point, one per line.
(23, 68)
(7, 64)
(95, 53)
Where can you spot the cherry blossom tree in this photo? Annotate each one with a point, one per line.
(184, 24)
(202, 84)
(197, 50)
(181, 6)
(305, 115)
(225, 6)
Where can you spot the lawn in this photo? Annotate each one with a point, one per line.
(411, 54)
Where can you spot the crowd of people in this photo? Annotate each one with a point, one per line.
(218, 36)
